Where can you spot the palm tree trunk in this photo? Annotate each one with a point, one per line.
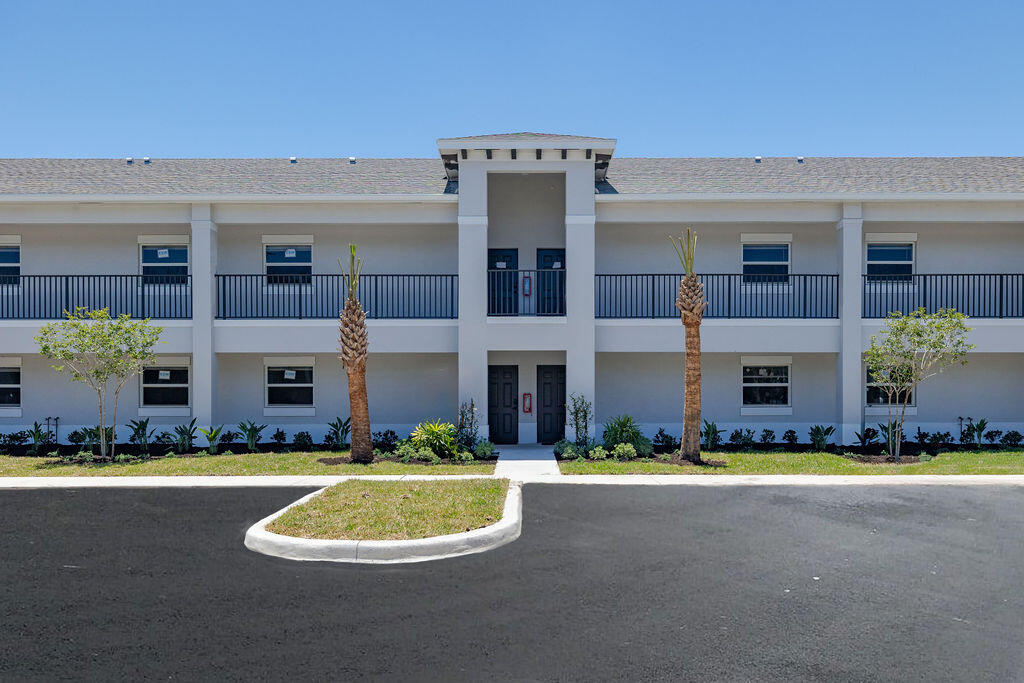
(362, 443)
(690, 447)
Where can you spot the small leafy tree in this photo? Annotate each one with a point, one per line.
(581, 414)
(101, 352)
(912, 348)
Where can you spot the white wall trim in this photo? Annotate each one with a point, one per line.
(165, 239)
(288, 360)
(894, 237)
(10, 240)
(765, 237)
(766, 360)
(882, 411)
(10, 412)
(766, 410)
(287, 239)
(170, 360)
(289, 411)
(10, 361)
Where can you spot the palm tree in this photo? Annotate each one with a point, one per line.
(354, 348)
(690, 303)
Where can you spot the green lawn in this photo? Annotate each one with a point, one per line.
(984, 462)
(229, 465)
(391, 510)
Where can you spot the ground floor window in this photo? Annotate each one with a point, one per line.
(165, 386)
(10, 386)
(877, 393)
(289, 385)
(766, 385)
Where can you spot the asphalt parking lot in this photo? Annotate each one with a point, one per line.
(606, 583)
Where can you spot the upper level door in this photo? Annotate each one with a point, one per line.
(551, 282)
(502, 282)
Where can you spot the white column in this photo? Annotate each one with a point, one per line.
(579, 307)
(849, 374)
(204, 360)
(473, 314)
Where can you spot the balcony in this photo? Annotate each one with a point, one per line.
(977, 295)
(728, 295)
(525, 293)
(47, 297)
(244, 297)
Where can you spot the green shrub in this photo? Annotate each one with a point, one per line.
(386, 441)
(924, 457)
(820, 435)
(467, 433)
(427, 456)
(561, 446)
(338, 431)
(711, 435)
(213, 436)
(302, 441)
(742, 438)
(789, 437)
(620, 429)
(1011, 438)
(279, 437)
(405, 451)
(185, 437)
(597, 453)
(462, 457)
(484, 450)
(643, 447)
(437, 436)
(993, 435)
(624, 451)
(251, 431)
(767, 436)
(664, 442)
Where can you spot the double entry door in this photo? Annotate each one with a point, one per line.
(503, 403)
(511, 291)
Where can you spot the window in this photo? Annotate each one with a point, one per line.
(289, 385)
(287, 264)
(876, 394)
(165, 386)
(766, 385)
(10, 264)
(163, 264)
(890, 262)
(765, 263)
(10, 386)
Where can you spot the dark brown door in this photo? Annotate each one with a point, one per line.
(503, 403)
(550, 403)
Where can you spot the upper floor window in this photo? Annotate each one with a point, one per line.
(289, 385)
(165, 386)
(10, 386)
(164, 264)
(288, 263)
(766, 263)
(10, 264)
(766, 385)
(890, 262)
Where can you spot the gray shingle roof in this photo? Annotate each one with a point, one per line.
(628, 176)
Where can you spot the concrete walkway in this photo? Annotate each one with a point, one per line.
(526, 462)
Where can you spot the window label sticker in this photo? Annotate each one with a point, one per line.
(165, 374)
(289, 374)
(163, 253)
(289, 253)
(556, 264)
(499, 264)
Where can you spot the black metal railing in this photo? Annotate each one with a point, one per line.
(992, 295)
(323, 296)
(728, 295)
(47, 297)
(525, 292)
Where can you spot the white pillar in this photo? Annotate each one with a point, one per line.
(473, 314)
(579, 307)
(204, 360)
(849, 374)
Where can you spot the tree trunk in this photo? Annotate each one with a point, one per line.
(362, 443)
(690, 447)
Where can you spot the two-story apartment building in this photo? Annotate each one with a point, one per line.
(514, 270)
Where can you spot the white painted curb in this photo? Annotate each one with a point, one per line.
(505, 530)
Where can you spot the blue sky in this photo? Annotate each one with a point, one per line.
(713, 78)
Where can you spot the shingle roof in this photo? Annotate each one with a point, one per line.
(627, 176)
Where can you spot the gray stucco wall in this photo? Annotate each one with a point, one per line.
(526, 211)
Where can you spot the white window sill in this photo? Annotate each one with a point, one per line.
(10, 412)
(164, 411)
(766, 410)
(289, 411)
(882, 411)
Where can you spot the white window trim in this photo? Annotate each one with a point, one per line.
(13, 362)
(285, 241)
(168, 411)
(767, 238)
(768, 360)
(884, 238)
(287, 411)
(162, 243)
(160, 240)
(12, 241)
(288, 239)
